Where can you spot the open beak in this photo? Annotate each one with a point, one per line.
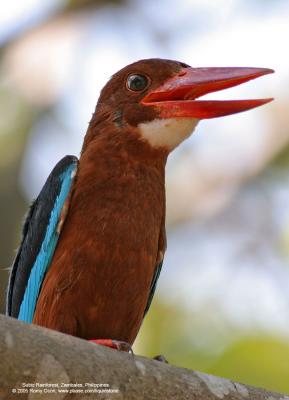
(177, 96)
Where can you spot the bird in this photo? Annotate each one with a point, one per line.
(93, 241)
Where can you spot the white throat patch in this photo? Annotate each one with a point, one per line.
(169, 132)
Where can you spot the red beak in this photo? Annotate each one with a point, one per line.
(176, 97)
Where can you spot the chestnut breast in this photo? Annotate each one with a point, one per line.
(99, 279)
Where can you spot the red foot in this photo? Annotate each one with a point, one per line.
(113, 344)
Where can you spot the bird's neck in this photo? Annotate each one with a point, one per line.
(106, 136)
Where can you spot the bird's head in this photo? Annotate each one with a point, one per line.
(160, 98)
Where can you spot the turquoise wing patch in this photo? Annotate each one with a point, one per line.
(45, 254)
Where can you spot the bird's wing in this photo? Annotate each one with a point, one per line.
(153, 286)
(159, 263)
(39, 238)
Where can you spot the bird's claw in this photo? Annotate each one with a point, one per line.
(122, 346)
(114, 344)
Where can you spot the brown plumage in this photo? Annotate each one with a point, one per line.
(114, 234)
(99, 280)
(113, 237)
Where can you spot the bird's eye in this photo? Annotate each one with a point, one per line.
(136, 82)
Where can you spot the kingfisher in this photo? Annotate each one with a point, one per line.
(93, 241)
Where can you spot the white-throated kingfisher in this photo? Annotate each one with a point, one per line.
(94, 240)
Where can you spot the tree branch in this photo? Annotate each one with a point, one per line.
(37, 360)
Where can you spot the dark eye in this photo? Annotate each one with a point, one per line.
(137, 82)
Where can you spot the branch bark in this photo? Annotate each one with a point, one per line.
(37, 361)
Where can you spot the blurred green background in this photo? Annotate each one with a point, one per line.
(222, 304)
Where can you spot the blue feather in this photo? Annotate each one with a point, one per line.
(47, 249)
